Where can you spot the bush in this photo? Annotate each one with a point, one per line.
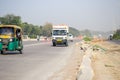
(117, 35)
(87, 39)
(32, 36)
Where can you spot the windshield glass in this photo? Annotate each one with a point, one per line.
(6, 31)
(59, 32)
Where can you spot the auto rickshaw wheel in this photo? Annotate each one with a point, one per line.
(3, 52)
(21, 52)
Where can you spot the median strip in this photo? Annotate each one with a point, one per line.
(85, 70)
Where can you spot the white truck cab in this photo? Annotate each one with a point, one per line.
(60, 35)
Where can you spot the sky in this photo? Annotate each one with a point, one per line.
(97, 15)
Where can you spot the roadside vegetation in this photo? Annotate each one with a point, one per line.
(32, 30)
(116, 35)
(87, 38)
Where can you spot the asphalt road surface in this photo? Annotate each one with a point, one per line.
(39, 61)
(115, 41)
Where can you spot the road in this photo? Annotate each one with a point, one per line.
(115, 41)
(39, 61)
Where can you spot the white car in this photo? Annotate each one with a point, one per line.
(70, 37)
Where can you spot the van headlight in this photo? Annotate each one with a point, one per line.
(64, 37)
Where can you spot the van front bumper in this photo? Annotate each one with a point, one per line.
(59, 41)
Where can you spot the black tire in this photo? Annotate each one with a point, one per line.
(3, 52)
(54, 44)
(66, 43)
(21, 52)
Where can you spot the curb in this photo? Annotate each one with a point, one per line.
(85, 70)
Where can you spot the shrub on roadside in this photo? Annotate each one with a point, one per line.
(87, 39)
(117, 35)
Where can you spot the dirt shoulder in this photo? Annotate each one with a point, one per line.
(106, 61)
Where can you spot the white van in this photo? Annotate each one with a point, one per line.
(60, 35)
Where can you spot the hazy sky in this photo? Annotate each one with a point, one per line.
(101, 15)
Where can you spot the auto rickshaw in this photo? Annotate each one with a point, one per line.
(10, 38)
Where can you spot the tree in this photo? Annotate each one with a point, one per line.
(41, 30)
(47, 29)
(116, 35)
(27, 28)
(86, 33)
(31, 30)
(11, 19)
(74, 31)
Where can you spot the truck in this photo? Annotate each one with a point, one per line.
(60, 35)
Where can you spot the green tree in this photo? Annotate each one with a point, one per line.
(27, 28)
(47, 29)
(74, 31)
(31, 30)
(41, 30)
(116, 35)
(11, 19)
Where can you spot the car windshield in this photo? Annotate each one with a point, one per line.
(59, 32)
(6, 31)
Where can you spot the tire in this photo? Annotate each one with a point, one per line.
(66, 43)
(54, 44)
(21, 52)
(3, 52)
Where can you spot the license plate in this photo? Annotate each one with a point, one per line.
(59, 40)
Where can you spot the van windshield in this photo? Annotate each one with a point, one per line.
(6, 31)
(59, 32)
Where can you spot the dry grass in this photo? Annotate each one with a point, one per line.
(106, 64)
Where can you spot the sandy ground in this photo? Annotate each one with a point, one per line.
(106, 61)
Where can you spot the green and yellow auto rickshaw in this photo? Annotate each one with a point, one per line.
(10, 38)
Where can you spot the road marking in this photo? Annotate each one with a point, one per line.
(35, 44)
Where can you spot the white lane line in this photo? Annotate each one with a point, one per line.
(35, 44)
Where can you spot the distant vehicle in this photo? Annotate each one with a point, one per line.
(70, 37)
(110, 36)
(38, 37)
(10, 38)
(60, 35)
